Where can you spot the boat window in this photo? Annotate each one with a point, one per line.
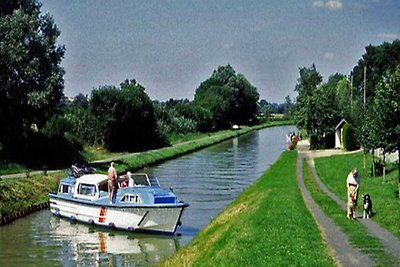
(131, 199)
(87, 189)
(65, 189)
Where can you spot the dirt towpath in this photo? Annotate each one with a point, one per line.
(388, 240)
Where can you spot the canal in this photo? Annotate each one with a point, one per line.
(208, 179)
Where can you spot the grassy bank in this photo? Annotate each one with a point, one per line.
(19, 193)
(357, 233)
(333, 172)
(267, 225)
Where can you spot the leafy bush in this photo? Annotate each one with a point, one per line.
(54, 151)
(349, 137)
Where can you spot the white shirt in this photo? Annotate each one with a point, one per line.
(352, 180)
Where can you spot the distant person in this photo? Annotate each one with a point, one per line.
(112, 183)
(131, 182)
(353, 184)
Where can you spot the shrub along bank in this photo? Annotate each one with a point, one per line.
(18, 194)
(267, 225)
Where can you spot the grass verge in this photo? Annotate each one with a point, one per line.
(384, 191)
(267, 225)
(357, 233)
(17, 194)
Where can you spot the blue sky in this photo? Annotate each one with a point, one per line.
(171, 46)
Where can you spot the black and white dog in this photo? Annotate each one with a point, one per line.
(367, 206)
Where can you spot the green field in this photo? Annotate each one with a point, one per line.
(267, 225)
(357, 233)
(384, 191)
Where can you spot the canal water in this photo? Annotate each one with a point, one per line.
(208, 179)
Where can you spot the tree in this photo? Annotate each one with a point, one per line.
(31, 79)
(125, 117)
(288, 107)
(229, 98)
(385, 130)
(316, 110)
(377, 60)
(306, 86)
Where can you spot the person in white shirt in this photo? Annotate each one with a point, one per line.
(131, 183)
(353, 184)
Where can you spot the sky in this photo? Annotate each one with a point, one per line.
(171, 46)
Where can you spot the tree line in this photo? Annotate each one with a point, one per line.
(42, 128)
(368, 99)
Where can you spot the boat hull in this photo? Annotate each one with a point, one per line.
(138, 218)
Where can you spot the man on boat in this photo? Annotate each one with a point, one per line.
(112, 183)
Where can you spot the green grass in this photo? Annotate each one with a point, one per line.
(91, 153)
(20, 193)
(7, 167)
(177, 138)
(267, 225)
(357, 233)
(384, 191)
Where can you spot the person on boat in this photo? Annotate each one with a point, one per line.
(112, 183)
(131, 182)
(123, 183)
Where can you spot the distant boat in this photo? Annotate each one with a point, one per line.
(235, 127)
(143, 207)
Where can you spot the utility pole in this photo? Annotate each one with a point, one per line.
(351, 90)
(365, 83)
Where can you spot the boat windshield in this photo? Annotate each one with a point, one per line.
(141, 179)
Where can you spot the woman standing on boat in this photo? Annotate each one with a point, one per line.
(112, 183)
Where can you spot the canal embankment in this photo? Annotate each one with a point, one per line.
(19, 193)
(267, 225)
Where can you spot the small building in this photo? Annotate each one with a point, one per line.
(339, 134)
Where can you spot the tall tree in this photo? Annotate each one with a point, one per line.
(229, 97)
(377, 60)
(385, 130)
(31, 79)
(306, 87)
(316, 109)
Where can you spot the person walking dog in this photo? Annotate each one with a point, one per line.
(353, 184)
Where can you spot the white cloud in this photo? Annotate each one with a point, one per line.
(318, 4)
(389, 36)
(334, 4)
(331, 4)
(329, 55)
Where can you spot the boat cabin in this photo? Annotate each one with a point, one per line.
(93, 187)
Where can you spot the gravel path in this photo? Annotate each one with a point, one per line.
(388, 240)
(338, 242)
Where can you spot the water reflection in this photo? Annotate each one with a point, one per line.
(94, 245)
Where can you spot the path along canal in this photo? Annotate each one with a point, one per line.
(209, 180)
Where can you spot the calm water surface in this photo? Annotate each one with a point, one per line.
(209, 180)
